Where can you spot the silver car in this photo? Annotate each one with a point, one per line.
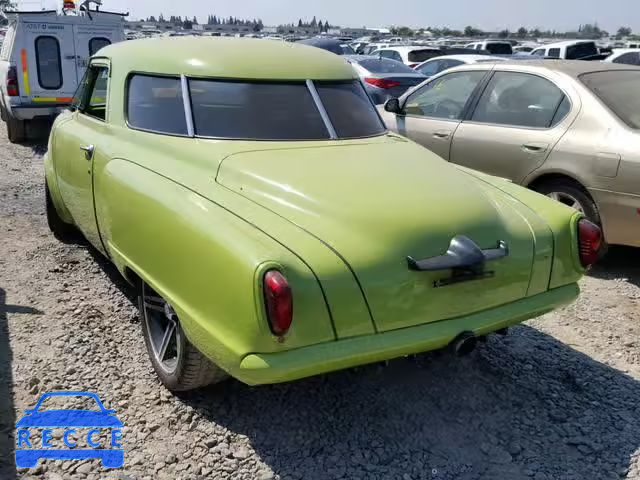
(567, 129)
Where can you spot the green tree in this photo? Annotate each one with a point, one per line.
(624, 32)
(536, 33)
(522, 32)
(504, 33)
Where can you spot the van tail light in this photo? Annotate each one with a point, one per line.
(12, 82)
(278, 302)
(589, 242)
(382, 82)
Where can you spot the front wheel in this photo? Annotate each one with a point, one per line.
(178, 364)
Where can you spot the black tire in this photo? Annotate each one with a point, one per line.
(16, 129)
(62, 231)
(183, 367)
(567, 191)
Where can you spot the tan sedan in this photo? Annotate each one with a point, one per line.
(567, 129)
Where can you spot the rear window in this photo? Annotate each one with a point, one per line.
(419, 56)
(499, 48)
(155, 104)
(581, 50)
(96, 44)
(385, 65)
(48, 62)
(619, 91)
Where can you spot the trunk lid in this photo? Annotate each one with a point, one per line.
(375, 204)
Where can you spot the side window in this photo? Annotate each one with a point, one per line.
(431, 68)
(518, 99)
(386, 53)
(538, 53)
(48, 62)
(631, 58)
(96, 44)
(554, 53)
(91, 96)
(446, 64)
(563, 110)
(445, 97)
(155, 104)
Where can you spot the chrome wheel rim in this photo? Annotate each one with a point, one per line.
(567, 199)
(162, 329)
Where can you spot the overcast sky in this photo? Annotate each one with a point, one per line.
(485, 14)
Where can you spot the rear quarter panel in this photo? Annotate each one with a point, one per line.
(206, 261)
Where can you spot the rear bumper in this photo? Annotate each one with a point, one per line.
(263, 368)
(620, 215)
(31, 112)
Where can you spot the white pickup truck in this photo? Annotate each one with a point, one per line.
(44, 57)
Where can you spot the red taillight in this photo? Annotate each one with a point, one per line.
(589, 241)
(278, 302)
(413, 65)
(382, 82)
(12, 82)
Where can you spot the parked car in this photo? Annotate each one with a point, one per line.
(628, 56)
(570, 50)
(522, 49)
(296, 241)
(494, 47)
(332, 45)
(569, 130)
(43, 57)
(384, 78)
(411, 56)
(440, 64)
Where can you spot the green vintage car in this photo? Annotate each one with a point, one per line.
(274, 227)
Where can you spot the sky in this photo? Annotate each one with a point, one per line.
(492, 15)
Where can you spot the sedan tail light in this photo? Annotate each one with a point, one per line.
(278, 302)
(589, 242)
(382, 82)
(413, 65)
(12, 82)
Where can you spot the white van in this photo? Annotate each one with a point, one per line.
(43, 58)
(568, 50)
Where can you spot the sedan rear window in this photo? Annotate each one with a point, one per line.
(499, 48)
(618, 89)
(419, 56)
(385, 65)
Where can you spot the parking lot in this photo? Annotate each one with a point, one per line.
(555, 399)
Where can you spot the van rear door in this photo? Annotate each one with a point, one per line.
(89, 39)
(46, 63)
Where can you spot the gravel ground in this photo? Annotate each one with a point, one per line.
(558, 398)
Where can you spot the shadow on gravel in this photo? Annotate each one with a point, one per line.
(620, 262)
(7, 416)
(521, 406)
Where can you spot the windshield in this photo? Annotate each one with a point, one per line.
(385, 65)
(581, 50)
(499, 48)
(619, 91)
(281, 111)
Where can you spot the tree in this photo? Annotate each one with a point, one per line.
(624, 32)
(504, 33)
(522, 32)
(187, 25)
(536, 33)
(300, 23)
(7, 5)
(195, 20)
(314, 22)
(470, 31)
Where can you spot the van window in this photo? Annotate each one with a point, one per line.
(581, 50)
(48, 62)
(499, 48)
(96, 44)
(155, 104)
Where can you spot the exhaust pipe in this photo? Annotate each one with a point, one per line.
(464, 344)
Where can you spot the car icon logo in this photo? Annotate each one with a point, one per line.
(80, 429)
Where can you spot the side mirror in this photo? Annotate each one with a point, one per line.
(393, 106)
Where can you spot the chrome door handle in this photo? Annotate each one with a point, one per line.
(535, 147)
(88, 151)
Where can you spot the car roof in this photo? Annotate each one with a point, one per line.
(470, 58)
(410, 48)
(573, 68)
(227, 57)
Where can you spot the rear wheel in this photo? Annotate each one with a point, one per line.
(573, 195)
(16, 129)
(64, 232)
(178, 364)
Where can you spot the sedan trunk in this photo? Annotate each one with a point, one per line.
(406, 202)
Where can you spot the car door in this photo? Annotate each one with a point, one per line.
(431, 114)
(77, 143)
(514, 126)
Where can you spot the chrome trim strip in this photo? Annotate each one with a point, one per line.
(186, 100)
(323, 113)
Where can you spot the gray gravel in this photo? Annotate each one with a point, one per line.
(558, 398)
